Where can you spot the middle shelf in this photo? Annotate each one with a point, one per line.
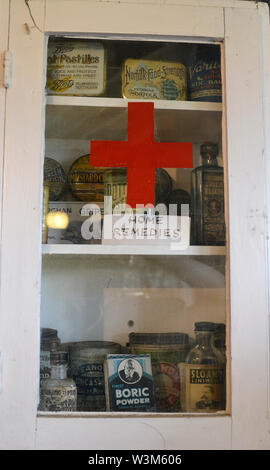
(69, 249)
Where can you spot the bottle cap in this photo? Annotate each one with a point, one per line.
(205, 326)
(48, 333)
(59, 357)
(209, 150)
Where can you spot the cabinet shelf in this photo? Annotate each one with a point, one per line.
(62, 249)
(85, 118)
(123, 103)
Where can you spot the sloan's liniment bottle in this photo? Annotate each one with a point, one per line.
(207, 187)
(58, 393)
(203, 373)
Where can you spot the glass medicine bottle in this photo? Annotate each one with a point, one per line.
(207, 188)
(58, 393)
(49, 342)
(202, 374)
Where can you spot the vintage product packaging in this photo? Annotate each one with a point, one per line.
(150, 79)
(54, 177)
(115, 186)
(75, 67)
(204, 75)
(49, 342)
(129, 383)
(86, 368)
(202, 387)
(213, 208)
(166, 351)
(86, 182)
(84, 222)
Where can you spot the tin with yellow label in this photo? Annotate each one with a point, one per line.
(86, 182)
(75, 67)
(150, 79)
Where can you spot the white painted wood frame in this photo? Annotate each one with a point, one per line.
(243, 27)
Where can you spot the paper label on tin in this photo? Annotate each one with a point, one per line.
(167, 386)
(147, 79)
(90, 379)
(205, 81)
(201, 387)
(75, 68)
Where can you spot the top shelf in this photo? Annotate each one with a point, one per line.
(86, 118)
(123, 103)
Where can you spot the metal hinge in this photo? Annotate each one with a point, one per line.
(7, 69)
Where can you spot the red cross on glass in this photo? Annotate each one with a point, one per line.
(140, 154)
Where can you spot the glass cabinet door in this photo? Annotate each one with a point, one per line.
(96, 298)
(133, 300)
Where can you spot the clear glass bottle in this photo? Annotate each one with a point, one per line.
(207, 188)
(202, 375)
(58, 393)
(220, 338)
(220, 345)
(49, 342)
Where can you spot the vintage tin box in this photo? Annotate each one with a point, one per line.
(76, 67)
(150, 79)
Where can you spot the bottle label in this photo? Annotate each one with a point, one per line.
(213, 209)
(201, 387)
(45, 365)
(59, 399)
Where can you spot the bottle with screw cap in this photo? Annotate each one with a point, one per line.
(202, 374)
(58, 393)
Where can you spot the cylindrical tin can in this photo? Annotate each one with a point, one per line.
(45, 210)
(115, 186)
(166, 350)
(204, 75)
(86, 182)
(86, 367)
(55, 177)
